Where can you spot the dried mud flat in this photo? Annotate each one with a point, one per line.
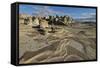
(67, 44)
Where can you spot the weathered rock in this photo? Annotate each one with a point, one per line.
(78, 46)
(43, 24)
(65, 44)
(30, 21)
(38, 57)
(67, 20)
(54, 59)
(24, 18)
(90, 52)
(73, 58)
(35, 22)
(21, 21)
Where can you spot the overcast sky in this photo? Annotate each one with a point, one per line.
(74, 12)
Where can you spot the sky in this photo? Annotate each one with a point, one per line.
(74, 12)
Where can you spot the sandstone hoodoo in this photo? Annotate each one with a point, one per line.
(25, 18)
(35, 22)
(47, 24)
(43, 24)
(51, 19)
(67, 20)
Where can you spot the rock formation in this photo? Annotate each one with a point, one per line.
(54, 41)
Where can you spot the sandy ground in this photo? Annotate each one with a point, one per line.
(66, 44)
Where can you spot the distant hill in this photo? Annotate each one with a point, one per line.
(86, 20)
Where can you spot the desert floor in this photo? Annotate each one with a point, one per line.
(66, 44)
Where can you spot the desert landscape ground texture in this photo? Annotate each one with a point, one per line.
(43, 42)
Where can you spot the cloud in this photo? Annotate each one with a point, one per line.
(88, 15)
(46, 10)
